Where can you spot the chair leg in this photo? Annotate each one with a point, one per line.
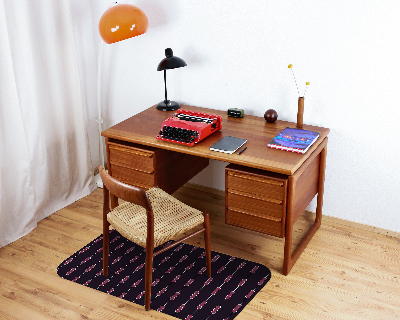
(148, 276)
(106, 243)
(106, 228)
(207, 242)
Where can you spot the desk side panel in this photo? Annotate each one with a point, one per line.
(306, 182)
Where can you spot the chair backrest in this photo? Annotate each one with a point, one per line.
(125, 192)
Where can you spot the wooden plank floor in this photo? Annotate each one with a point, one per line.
(344, 273)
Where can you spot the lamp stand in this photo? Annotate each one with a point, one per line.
(99, 119)
(167, 105)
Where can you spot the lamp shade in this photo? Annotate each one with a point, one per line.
(170, 61)
(122, 21)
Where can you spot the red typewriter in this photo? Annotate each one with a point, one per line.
(189, 127)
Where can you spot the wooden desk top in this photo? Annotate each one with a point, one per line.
(143, 128)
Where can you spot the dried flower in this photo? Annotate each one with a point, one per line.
(290, 67)
(307, 83)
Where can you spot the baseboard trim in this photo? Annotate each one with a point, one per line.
(344, 222)
(362, 226)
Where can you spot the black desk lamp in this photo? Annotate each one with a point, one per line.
(169, 62)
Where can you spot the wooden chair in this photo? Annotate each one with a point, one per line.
(149, 219)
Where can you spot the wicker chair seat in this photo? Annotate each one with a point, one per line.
(171, 218)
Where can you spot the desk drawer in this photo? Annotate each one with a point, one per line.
(255, 199)
(269, 208)
(133, 177)
(251, 220)
(260, 185)
(131, 157)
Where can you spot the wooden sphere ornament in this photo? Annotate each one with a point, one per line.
(270, 115)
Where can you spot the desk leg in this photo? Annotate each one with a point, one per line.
(289, 259)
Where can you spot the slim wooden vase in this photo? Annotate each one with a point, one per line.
(300, 112)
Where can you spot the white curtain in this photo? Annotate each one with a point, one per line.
(45, 161)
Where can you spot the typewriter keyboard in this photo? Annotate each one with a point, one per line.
(178, 134)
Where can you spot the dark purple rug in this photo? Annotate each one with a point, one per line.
(180, 285)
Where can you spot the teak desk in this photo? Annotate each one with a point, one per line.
(266, 189)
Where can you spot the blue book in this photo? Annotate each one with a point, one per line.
(294, 140)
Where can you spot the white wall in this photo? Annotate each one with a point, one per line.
(237, 54)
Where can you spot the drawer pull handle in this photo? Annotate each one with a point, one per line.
(256, 215)
(257, 198)
(140, 153)
(275, 183)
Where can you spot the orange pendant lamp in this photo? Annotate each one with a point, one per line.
(122, 21)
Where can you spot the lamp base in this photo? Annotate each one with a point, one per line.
(168, 105)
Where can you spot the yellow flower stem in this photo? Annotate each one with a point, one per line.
(294, 79)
